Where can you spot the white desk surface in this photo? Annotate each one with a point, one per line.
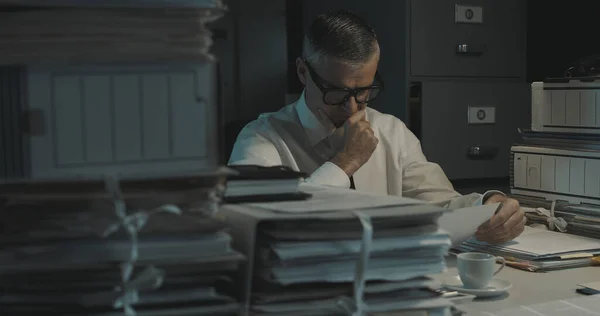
(528, 287)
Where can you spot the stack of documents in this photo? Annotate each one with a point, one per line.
(157, 31)
(339, 252)
(580, 219)
(558, 158)
(264, 184)
(108, 247)
(539, 250)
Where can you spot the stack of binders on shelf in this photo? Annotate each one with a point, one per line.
(338, 253)
(556, 167)
(146, 246)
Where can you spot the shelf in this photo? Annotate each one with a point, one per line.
(198, 4)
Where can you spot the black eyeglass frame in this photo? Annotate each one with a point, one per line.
(320, 83)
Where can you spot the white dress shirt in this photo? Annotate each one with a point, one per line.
(296, 138)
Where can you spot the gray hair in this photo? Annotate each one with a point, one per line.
(341, 36)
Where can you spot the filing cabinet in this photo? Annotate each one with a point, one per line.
(485, 38)
(468, 92)
(467, 146)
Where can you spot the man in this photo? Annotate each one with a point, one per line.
(331, 134)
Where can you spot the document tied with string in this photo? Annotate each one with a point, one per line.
(346, 252)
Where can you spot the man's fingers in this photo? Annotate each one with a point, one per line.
(514, 221)
(508, 208)
(357, 117)
(504, 233)
(518, 230)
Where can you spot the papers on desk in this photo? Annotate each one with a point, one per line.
(307, 257)
(582, 220)
(538, 249)
(591, 288)
(327, 199)
(296, 265)
(589, 305)
(264, 184)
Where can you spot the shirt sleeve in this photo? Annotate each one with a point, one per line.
(252, 148)
(331, 175)
(427, 181)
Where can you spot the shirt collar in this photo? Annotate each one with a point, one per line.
(316, 129)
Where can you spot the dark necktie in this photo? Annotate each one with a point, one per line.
(352, 183)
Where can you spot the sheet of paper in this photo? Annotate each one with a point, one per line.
(297, 250)
(326, 199)
(462, 223)
(542, 242)
(591, 285)
(588, 305)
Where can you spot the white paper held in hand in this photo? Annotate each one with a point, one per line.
(462, 223)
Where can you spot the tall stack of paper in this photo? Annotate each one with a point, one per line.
(131, 31)
(137, 75)
(338, 253)
(134, 247)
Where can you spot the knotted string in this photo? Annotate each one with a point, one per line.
(132, 224)
(554, 223)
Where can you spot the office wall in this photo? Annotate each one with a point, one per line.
(261, 50)
(559, 34)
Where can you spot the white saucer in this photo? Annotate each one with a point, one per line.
(496, 287)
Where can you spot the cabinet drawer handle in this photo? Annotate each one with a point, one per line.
(471, 49)
(482, 152)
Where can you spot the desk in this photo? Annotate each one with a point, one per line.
(528, 287)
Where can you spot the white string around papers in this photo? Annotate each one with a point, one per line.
(132, 224)
(357, 306)
(554, 223)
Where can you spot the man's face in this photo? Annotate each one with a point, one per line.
(331, 75)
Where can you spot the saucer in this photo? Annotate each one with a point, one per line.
(496, 287)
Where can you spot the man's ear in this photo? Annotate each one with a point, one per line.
(301, 71)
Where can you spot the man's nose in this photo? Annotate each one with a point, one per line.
(351, 106)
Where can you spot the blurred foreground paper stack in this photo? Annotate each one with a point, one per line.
(106, 247)
(94, 32)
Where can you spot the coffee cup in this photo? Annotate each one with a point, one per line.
(477, 269)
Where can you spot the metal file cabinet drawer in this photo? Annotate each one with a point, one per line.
(445, 43)
(468, 127)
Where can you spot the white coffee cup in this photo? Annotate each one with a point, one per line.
(477, 269)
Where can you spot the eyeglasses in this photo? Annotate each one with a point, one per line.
(338, 96)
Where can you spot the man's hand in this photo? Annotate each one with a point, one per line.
(359, 144)
(507, 224)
